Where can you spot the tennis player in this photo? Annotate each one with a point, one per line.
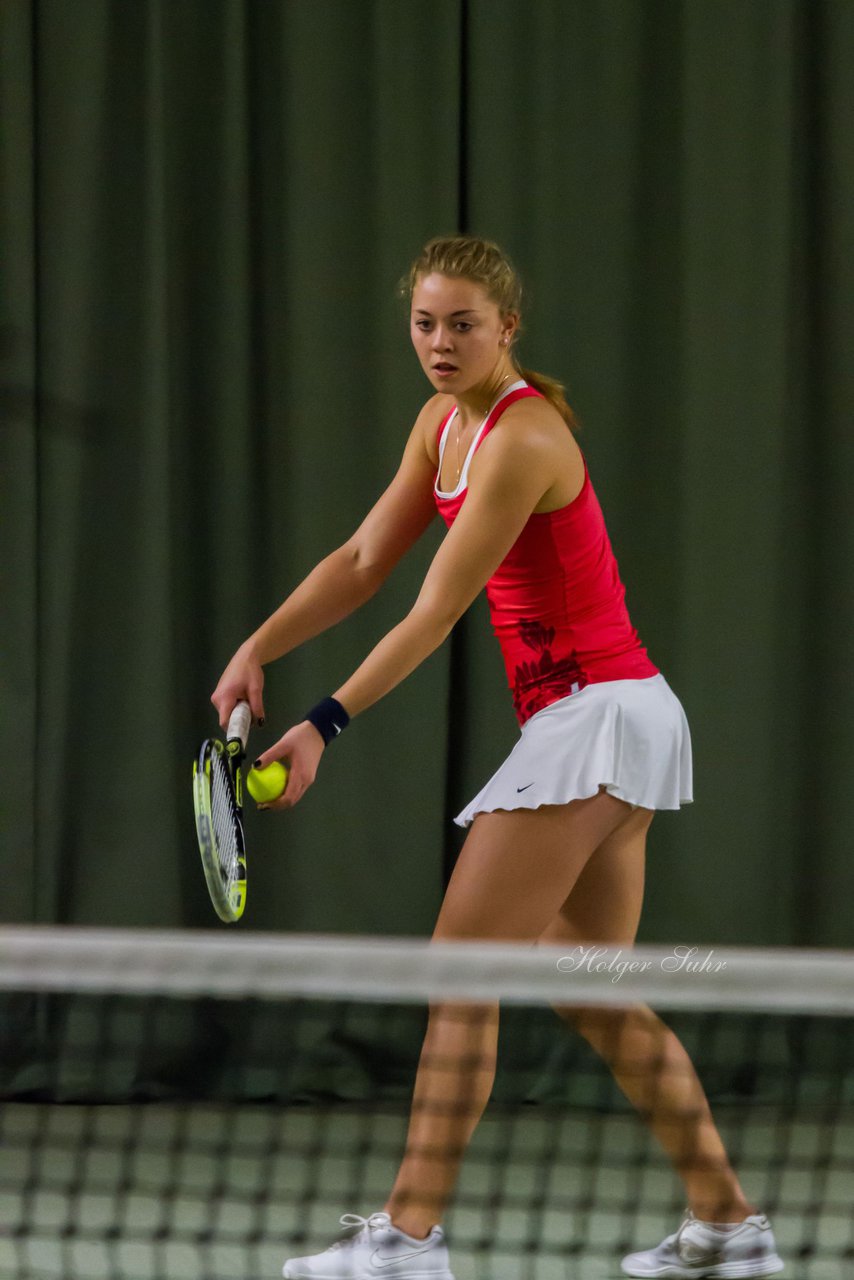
(556, 842)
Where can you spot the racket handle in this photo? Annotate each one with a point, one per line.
(238, 725)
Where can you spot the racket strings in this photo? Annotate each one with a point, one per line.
(226, 825)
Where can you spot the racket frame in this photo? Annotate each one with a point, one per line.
(229, 901)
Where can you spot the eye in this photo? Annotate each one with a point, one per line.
(424, 325)
(463, 326)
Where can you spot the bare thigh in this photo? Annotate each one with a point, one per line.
(604, 904)
(517, 868)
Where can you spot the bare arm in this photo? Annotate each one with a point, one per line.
(334, 589)
(342, 581)
(354, 572)
(509, 475)
(514, 469)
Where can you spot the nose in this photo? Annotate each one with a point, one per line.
(441, 339)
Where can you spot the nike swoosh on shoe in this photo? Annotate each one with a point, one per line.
(379, 1261)
(693, 1256)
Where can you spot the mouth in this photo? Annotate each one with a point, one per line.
(444, 369)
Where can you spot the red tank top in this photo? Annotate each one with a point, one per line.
(556, 600)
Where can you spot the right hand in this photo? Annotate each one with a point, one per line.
(243, 678)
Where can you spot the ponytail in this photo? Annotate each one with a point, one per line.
(554, 392)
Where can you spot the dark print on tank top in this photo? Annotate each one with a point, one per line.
(545, 680)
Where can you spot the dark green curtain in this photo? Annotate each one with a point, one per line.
(206, 381)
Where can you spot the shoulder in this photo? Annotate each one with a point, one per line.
(531, 444)
(427, 423)
(529, 427)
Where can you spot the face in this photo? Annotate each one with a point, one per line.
(457, 332)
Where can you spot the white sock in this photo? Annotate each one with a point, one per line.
(414, 1239)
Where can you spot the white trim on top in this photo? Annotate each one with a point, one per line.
(464, 474)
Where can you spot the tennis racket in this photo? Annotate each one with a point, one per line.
(218, 801)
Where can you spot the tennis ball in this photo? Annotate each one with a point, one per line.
(267, 784)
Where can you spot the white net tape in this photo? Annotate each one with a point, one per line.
(272, 966)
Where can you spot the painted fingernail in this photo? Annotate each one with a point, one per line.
(257, 764)
(260, 720)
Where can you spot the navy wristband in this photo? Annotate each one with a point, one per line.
(328, 718)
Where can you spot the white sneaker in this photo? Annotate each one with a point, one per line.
(702, 1249)
(376, 1249)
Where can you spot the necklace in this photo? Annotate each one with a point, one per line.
(486, 415)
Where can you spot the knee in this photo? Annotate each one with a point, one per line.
(448, 929)
(463, 926)
(618, 1034)
(462, 1013)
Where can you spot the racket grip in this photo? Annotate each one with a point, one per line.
(238, 725)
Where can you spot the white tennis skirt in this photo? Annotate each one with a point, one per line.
(629, 736)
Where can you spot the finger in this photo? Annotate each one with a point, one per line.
(277, 806)
(267, 758)
(294, 790)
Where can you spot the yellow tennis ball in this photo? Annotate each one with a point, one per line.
(267, 784)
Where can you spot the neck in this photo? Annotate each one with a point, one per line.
(474, 404)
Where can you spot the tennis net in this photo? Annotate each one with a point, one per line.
(202, 1106)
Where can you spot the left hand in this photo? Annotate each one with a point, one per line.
(300, 749)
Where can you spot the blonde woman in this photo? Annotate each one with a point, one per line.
(556, 842)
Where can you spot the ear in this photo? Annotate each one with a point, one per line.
(509, 327)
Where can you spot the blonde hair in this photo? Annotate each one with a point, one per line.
(484, 263)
